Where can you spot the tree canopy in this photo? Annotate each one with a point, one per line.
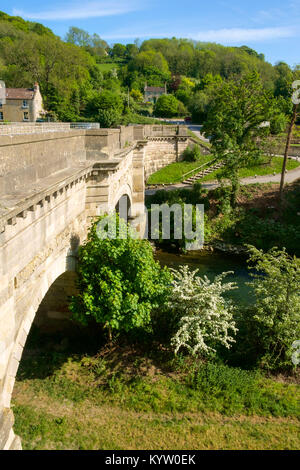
(73, 71)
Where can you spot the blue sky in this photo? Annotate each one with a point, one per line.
(270, 27)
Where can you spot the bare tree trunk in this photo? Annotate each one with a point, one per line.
(286, 152)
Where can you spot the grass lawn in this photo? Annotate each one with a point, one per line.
(121, 399)
(200, 141)
(107, 66)
(174, 172)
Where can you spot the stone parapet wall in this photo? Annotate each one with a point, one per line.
(26, 159)
(17, 128)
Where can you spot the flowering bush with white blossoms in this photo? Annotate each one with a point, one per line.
(206, 317)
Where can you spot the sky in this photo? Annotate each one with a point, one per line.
(271, 27)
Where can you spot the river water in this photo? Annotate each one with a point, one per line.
(212, 264)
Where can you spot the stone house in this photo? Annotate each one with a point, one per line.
(22, 105)
(152, 93)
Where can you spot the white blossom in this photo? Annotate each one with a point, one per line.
(206, 317)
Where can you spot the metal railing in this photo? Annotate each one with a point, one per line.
(199, 167)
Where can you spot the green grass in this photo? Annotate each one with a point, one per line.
(125, 401)
(199, 141)
(174, 172)
(260, 170)
(107, 66)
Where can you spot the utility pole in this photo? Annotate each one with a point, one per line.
(286, 152)
(128, 99)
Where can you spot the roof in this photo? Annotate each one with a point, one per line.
(19, 93)
(155, 89)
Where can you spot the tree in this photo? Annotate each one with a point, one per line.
(119, 282)
(149, 58)
(205, 317)
(78, 36)
(275, 317)
(234, 125)
(119, 50)
(287, 147)
(105, 108)
(131, 50)
(137, 95)
(166, 106)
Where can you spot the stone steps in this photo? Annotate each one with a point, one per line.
(202, 173)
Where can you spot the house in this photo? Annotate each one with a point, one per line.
(152, 93)
(22, 105)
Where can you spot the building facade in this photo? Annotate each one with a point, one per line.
(152, 93)
(22, 105)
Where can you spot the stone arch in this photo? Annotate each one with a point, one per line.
(36, 288)
(124, 190)
(62, 263)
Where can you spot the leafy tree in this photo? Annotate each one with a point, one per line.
(166, 106)
(149, 58)
(284, 79)
(205, 317)
(119, 50)
(137, 95)
(278, 123)
(78, 36)
(119, 281)
(106, 108)
(93, 44)
(234, 124)
(131, 51)
(275, 317)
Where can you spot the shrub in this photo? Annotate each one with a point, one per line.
(192, 154)
(278, 124)
(119, 281)
(276, 314)
(166, 106)
(205, 317)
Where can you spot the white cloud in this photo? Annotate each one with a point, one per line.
(237, 35)
(82, 10)
(224, 36)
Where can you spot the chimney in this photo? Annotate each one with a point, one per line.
(36, 87)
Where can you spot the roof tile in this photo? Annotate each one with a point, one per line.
(19, 93)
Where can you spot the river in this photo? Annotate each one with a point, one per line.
(212, 264)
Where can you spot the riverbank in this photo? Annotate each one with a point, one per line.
(133, 397)
(258, 219)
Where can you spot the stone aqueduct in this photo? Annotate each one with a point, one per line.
(51, 185)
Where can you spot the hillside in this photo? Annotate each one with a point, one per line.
(83, 78)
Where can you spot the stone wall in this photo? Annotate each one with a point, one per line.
(294, 151)
(26, 159)
(162, 151)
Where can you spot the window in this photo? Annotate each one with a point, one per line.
(26, 116)
(1, 116)
(25, 104)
